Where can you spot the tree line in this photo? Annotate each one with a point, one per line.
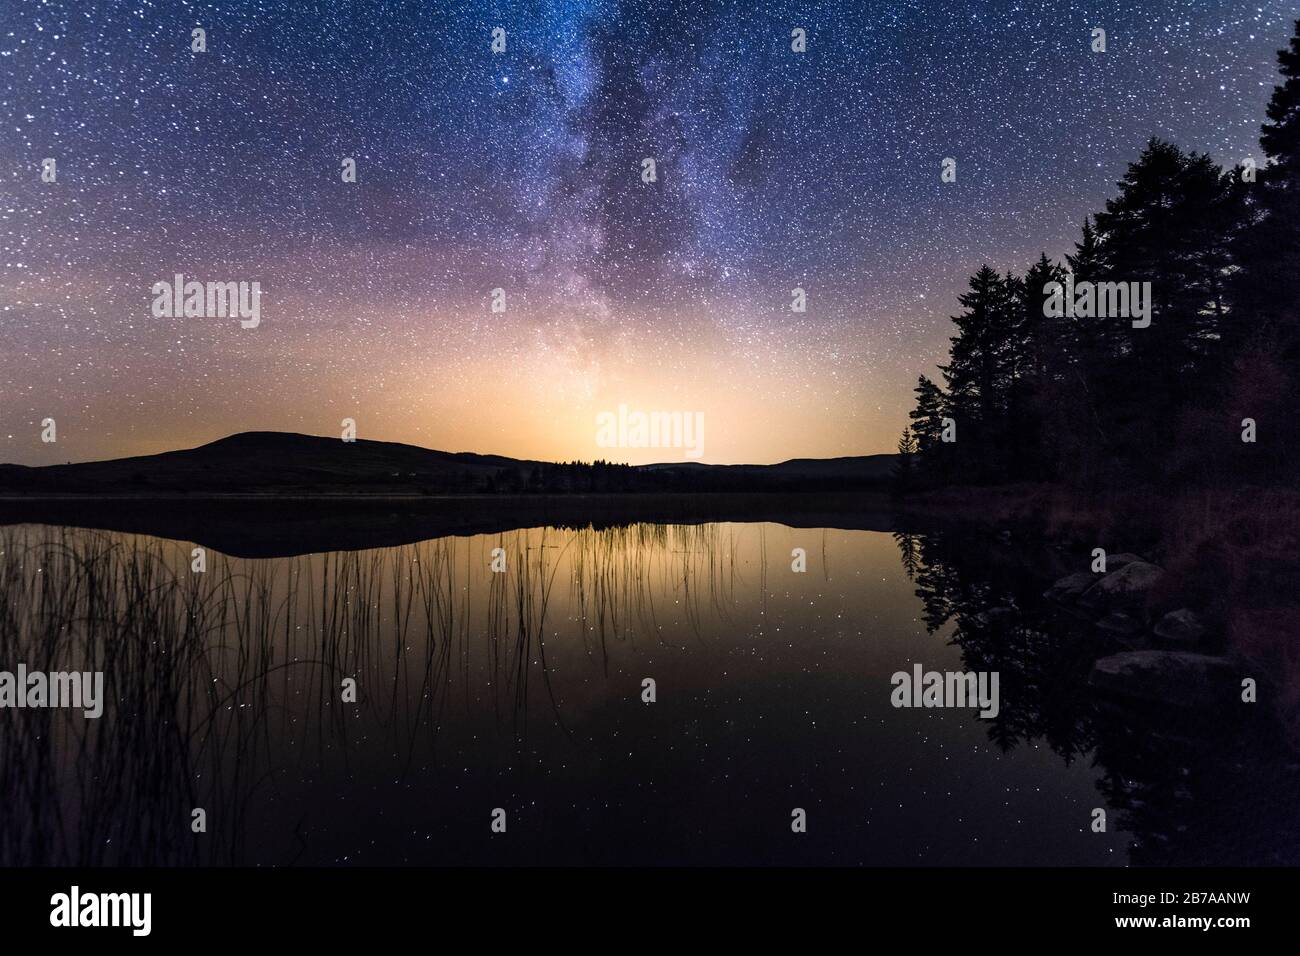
(1207, 392)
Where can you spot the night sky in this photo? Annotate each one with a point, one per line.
(522, 170)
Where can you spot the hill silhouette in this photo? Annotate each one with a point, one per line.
(289, 463)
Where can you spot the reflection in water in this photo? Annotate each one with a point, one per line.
(522, 690)
(1189, 789)
(221, 682)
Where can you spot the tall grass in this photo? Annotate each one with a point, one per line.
(221, 685)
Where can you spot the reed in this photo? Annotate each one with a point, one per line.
(223, 687)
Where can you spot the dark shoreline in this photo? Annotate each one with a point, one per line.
(273, 525)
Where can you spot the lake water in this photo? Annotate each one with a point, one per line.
(523, 691)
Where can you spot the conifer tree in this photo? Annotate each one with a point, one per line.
(1267, 290)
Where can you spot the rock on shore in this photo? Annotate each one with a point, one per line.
(1173, 678)
(1126, 588)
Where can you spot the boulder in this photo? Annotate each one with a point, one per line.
(1181, 627)
(1126, 588)
(1116, 561)
(1070, 587)
(1173, 678)
(1120, 622)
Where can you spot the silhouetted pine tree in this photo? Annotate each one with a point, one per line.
(1268, 286)
(983, 360)
(927, 429)
(1094, 343)
(1172, 225)
(1042, 383)
(904, 474)
(1264, 383)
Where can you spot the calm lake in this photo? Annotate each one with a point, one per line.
(523, 691)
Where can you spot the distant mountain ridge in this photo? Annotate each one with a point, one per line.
(287, 462)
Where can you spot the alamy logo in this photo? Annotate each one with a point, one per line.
(651, 430)
(75, 908)
(208, 300)
(1098, 300)
(946, 689)
(75, 689)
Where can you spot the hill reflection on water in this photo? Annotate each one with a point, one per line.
(523, 691)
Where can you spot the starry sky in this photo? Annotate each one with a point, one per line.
(521, 170)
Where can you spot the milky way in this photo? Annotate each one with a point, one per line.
(521, 170)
